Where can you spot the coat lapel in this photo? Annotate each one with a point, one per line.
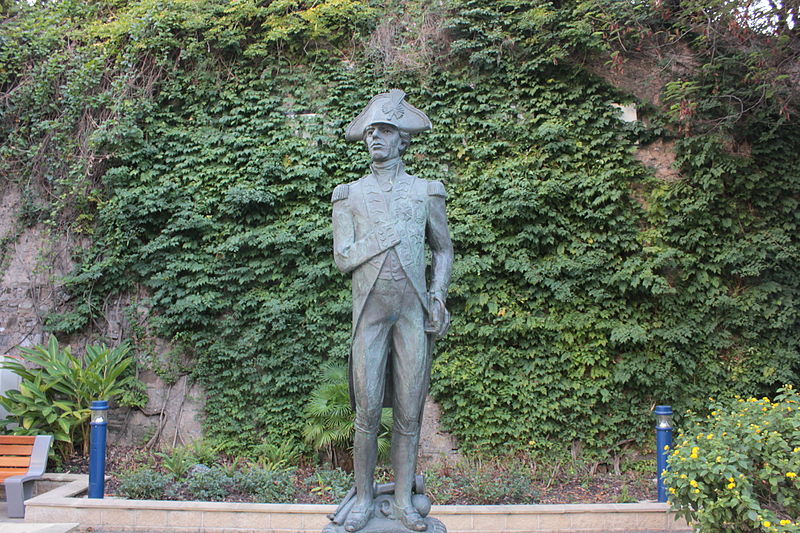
(375, 201)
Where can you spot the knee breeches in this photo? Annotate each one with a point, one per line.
(390, 331)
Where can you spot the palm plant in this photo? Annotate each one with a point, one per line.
(330, 419)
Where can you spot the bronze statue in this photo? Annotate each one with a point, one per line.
(381, 224)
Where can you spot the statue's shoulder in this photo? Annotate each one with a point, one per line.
(346, 190)
(436, 188)
(341, 192)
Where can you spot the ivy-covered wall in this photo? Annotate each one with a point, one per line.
(194, 145)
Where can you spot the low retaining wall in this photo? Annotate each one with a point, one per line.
(48, 482)
(66, 504)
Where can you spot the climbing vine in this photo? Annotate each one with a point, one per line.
(195, 145)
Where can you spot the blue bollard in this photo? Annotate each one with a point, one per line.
(663, 445)
(97, 449)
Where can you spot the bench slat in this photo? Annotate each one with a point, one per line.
(15, 461)
(16, 449)
(8, 473)
(17, 439)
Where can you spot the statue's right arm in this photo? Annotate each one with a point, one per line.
(349, 252)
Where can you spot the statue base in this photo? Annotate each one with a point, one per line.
(387, 525)
(382, 520)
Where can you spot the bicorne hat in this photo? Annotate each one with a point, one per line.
(388, 108)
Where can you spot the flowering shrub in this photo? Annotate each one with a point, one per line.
(736, 470)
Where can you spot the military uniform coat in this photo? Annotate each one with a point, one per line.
(366, 225)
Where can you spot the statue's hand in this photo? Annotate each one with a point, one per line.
(438, 317)
(388, 236)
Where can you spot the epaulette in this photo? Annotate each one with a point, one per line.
(435, 188)
(340, 193)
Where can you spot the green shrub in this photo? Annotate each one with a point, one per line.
(438, 485)
(178, 461)
(267, 486)
(210, 485)
(500, 484)
(203, 451)
(147, 484)
(330, 485)
(494, 482)
(271, 456)
(736, 470)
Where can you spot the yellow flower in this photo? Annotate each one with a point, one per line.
(710, 436)
(696, 491)
(786, 522)
(683, 476)
(672, 490)
(796, 450)
(693, 483)
(766, 523)
(719, 458)
(791, 475)
(666, 447)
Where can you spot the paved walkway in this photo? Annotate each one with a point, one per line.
(18, 525)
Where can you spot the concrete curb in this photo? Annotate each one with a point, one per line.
(66, 504)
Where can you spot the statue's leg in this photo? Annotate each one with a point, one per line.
(370, 349)
(411, 369)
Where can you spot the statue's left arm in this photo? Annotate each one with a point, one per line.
(442, 256)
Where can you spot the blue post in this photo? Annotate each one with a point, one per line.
(97, 449)
(663, 445)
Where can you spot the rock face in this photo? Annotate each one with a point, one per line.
(172, 416)
(26, 286)
(434, 443)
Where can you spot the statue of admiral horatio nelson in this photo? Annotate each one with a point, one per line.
(381, 224)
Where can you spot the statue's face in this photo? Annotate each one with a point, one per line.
(383, 142)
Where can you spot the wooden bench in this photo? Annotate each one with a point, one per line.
(22, 460)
